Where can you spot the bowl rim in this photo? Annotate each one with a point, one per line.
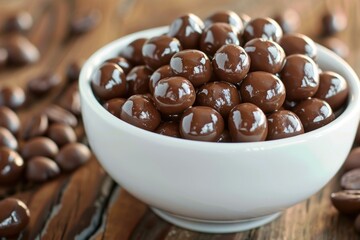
(97, 58)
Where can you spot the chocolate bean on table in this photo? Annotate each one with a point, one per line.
(19, 22)
(121, 62)
(187, 29)
(7, 139)
(353, 160)
(157, 51)
(34, 126)
(72, 156)
(9, 120)
(346, 201)
(21, 51)
(73, 71)
(193, 65)
(226, 16)
(71, 100)
(201, 124)
(137, 80)
(41, 169)
(247, 123)
(265, 28)
(170, 129)
(39, 146)
(351, 180)
(333, 22)
(57, 114)
(283, 124)
(297, 43)
(61, 134)
(114, 106)
(85, 23)
(12, 97)
(43, 83)
(133, 52)
(160, 73)
(109, 81)
(11, 166)
(289, 20)
(14, 217)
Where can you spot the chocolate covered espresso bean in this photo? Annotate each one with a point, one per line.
(226, 16)
(283, 124)
(41, 169)
(61, 134)
(72, 156)
(57, 114)
(44, 83)
(133, 52)
(11, 166)
(333, 22)
(12, 97)
(351, 180)
(160, 73)
(7, 139)
(114, 106)
(14, 217)
(297, 43)
(121, 62)
(19, 22)
(9, 120)
(39, 146)
(265, 28)
(35, 126)
(21, 51)
(346, 201)
(137, 80)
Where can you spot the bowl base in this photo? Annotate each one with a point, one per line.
(215, 226)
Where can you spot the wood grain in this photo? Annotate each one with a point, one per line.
(87, 204)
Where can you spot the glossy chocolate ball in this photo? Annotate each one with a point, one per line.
(201, 124)
(108, 81)
(247, 123)
(283, 124)
(14, 217)
(289, 20)
(160, 73)
(265, 55)
(298, 43)
(133, 52)
(300, 76)
(140, 112)
(263, 89)
(137, 80)
(265, 28)
(333, 89)
(114, 105)
(193, 65)
(216, 35)
(157, 51)
(11, 166)
(314, 113)
(173, 95)
(187, 29)
(121, 62)
(222, 96)
(231, 63)
(170, 129)
(228, 17)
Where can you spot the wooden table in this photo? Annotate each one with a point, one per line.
(88, 203)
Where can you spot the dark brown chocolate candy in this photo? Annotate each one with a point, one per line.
(226, 16)
(265, 55)
(297, 43)
(333, 89)
(85, 23)
(160, 73)
(193, 65)
(263, 89)
(265, 28)
(289, 20)
(187, 29)
(12, 97)
(61, 134)
(351, 180)
(353, 160)
(216, 35)
(9, 120)
(39, 146)
(137, 80)
(73, 71)
(170, 129)
(41, 169)
(333, 22)
(224, 137)
(283, 124)
(300, 76)
(140, 112)
(231, 63)
(133, 52)
(173, 95)
(57, 114)
(11, 166)
(201, 124)
(346, 201)
(19, 22)
(21, 51)
(247, 123)
(35, 126)
(114, 105)
(3, 57)
(157, 51)
(7, 139)
(71, 100)
(337, 46)
(72, 156)
(221, 96)
(44, 83)
(121, 62)
(108, 81)
(314, 113)
(14, 217)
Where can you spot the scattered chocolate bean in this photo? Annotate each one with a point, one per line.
(7, 139)
(41, 169)
(333, 22)
(43, 84)
(21, 51)
(83, 24)
(11, 167)
(351, 180)
(57, 114)
(12, 97)
(61, 134)
(73, 71)
(72, 156)
(9, 120)
(39, 146)
(346, 201)
(19, 22)
(71, 100)
(35, 126)
(14, 217)
(353, 160)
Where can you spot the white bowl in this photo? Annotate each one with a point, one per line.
(217, 187)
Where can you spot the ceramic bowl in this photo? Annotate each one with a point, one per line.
(217, 187)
